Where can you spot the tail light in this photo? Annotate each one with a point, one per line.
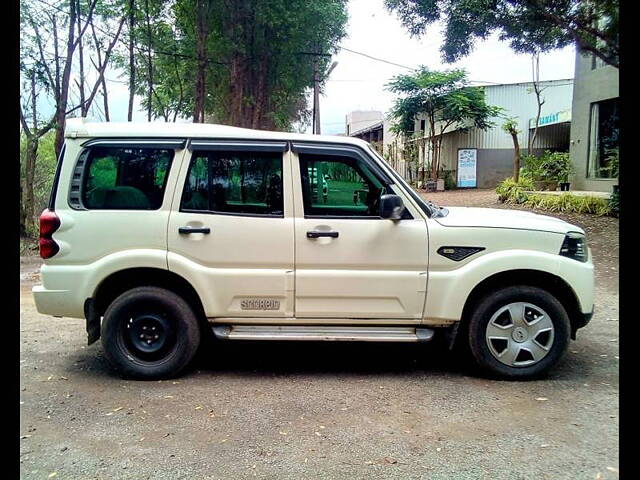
(49, 223)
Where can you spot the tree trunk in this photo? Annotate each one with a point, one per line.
(28, 203)
(132, 61)
(516, 157)
(61, 107)
(83, 108)
(149, 62)
(535, 61)
(201, 52)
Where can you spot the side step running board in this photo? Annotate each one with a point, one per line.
(323, 333)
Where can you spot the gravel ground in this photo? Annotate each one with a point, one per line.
(334, 410)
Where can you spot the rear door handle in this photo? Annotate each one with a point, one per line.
(187, 230)
(317, 234)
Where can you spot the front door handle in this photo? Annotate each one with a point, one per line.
(187, 230)
(317, 234)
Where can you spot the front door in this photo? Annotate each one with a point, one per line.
(231, 228)
(351, 263)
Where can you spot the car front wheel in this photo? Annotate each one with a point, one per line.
(150, 333)
(518, 332)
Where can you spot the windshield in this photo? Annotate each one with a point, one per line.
(430, 208)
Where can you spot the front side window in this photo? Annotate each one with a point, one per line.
(242, 183)
(125, 178)
(339, 186)
(604, 139)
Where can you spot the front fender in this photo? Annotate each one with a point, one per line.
(448, 290)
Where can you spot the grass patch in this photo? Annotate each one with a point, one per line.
(516, 193)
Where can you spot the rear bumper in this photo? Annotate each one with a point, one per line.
(59, 303)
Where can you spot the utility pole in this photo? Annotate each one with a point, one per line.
(316, 94)
(316, 98)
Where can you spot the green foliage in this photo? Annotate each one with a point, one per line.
(444, 96)
(445, 99)
(258, 69)
(43, 173)
(513, 192)
(519, 194)
(510, 126)
(614, 203)
(568, 203)
(448, 177)
(550, 166)
(612, 163)
(529, 26)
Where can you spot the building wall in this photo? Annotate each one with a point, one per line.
(495, 147)
(359, 119)
(591, 85)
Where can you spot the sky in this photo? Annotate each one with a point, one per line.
(358, 82)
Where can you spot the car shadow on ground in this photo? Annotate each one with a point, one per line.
(259, 359)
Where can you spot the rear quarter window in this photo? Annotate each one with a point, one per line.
(125, 178)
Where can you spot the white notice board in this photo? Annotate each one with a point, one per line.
(467, 167)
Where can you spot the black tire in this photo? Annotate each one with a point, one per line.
(482, 343)
(150, 333)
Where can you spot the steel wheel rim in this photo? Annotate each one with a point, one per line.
(148, 336)
(520, 334)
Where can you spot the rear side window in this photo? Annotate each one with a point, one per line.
(240, 183)
(125, 178)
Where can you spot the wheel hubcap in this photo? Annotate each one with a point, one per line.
(149, 335)
(520, 334)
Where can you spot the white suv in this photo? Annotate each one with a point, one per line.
(163, 234)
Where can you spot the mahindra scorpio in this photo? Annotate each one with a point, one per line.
(160, 235)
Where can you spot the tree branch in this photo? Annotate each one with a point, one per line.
(89, 20)
(43, 60)
(103, 67)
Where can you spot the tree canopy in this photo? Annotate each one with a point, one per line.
(245, 63)
(530, 26)
(446, 99)
(443, 97)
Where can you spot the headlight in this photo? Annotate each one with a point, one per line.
(575, 246)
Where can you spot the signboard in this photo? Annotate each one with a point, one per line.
(551, 119)
(467, 166)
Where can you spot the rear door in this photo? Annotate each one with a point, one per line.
(350, 263)
(230, 231)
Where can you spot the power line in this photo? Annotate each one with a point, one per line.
(375, 58)
(403, 66)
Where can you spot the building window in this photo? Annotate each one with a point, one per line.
(423, 126)
(604, 132)
(597, 62)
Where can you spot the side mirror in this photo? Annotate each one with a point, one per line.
(391, 207)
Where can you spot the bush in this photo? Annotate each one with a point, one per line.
(614, 203)
(568, 203)
(550, 166)
(518, 193)
(511, 191)
(531, 167)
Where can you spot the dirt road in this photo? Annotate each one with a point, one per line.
(334, 410)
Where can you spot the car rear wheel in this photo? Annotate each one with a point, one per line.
(518, 332)
(150, 333)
